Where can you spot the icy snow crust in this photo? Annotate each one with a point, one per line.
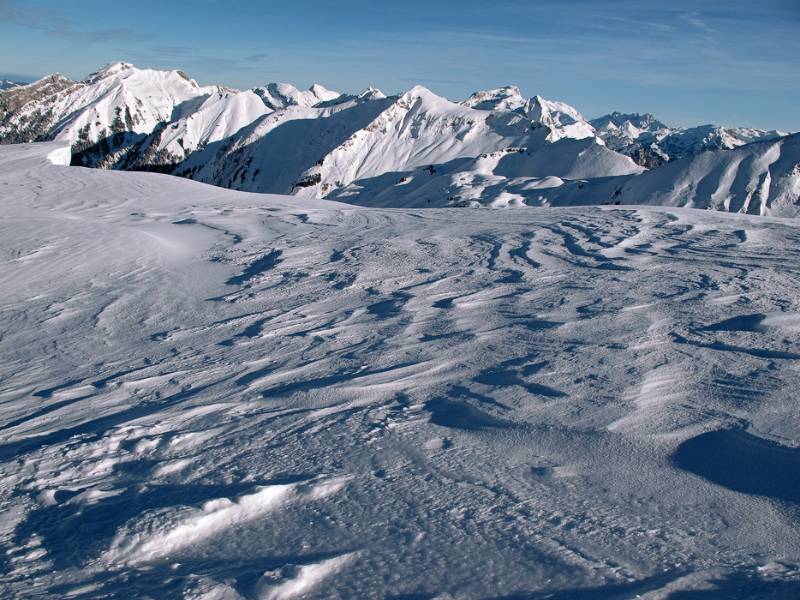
(214, 394)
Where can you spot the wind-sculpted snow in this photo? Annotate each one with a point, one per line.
(215, 394)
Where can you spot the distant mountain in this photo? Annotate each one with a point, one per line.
(495, 148)
(119, 98)
(651, 143)
(7, 84)
(562, 119)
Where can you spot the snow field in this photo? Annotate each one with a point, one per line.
(214, 394)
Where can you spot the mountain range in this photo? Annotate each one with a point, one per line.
(495, 148)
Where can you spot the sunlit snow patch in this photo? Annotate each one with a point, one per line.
(169, 534)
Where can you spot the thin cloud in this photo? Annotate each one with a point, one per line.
(56, 23)
(695, 20)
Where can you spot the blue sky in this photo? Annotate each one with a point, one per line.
(730, 62)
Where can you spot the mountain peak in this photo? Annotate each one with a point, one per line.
(323, 93)
(419, 90)
(279, 96)
(110, 70)
(562, 119)
(508, 97)
(616, 119)
(372, 93)
(118, 66)
(419, 93)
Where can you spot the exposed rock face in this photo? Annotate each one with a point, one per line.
(28, 113)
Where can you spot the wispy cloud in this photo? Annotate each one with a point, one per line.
(696, 20)
(584, 51)
(57, 23)
(129, 43)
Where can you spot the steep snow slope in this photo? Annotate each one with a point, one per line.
(314, 150)
(762, 178)
(206, 119)
(274, 153)
(211, 394)
(217, 117)
(506, 177)
(759, 178)
(416, 129)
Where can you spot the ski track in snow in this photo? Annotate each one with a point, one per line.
(212, 394)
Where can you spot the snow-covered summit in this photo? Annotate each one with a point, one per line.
(117, 98)
(110, 70)
(372, 93)
(560, 118)
(278, 96)
(505, 98)
(630, 121)
(563, 120)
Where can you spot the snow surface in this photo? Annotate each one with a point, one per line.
(214, 394)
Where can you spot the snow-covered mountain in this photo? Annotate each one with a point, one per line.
(651, 143)
(495, 148)
(317, 141)
(761, 178)
(277, 152)
(755, 178)
(278, 96)
(562, 119)
(118, 98)
(7, 84)
(508, 177)
(415, 129)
